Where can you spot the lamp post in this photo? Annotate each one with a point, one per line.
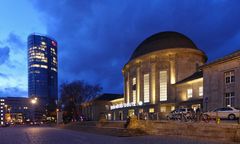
(57, 113)
(34, 102)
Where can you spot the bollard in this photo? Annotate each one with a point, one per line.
(217, 119)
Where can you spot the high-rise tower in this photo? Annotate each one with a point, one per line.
(42, 67)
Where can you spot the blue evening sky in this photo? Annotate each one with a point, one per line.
(96, 38)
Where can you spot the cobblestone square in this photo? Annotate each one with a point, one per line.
(48, 135)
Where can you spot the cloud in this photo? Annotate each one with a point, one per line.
(4, 54)
(13, 91)
(3, 75)
(15, 40)
(96, 38)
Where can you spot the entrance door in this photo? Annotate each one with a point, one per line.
(120, 115)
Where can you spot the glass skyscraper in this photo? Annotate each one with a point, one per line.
(42, 68)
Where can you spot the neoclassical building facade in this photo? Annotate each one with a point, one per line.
(222, 82)
(164, 72)
(156, 65)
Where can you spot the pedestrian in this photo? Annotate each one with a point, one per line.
(198, 112)
(127, 122)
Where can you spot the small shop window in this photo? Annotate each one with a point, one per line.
(151, 110)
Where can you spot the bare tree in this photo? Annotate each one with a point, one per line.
(74, 93)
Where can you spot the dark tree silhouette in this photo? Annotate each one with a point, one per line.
(73, 94)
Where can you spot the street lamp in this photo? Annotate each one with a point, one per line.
(8, 113)
(34, 102)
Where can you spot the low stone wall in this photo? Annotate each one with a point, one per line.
(110, 124)
(227, 132)
(117, 124)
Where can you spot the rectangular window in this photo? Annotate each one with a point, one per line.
(230, 99)
(163, 109)
(146, 87)
(134, 93)
(229, 77)
(151, 110)
(163, 85)
(201, 91)
(189, 93)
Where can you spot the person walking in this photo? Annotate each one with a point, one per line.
(198, 112)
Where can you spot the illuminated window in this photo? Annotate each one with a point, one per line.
(146, 87)
(44, 66)
(54, 69)
(230, 99)
(35, 65)
(163, 109)
(163, 85)
(43, 43)
(189, 93)
(134, 89)
(151, 110)
(229, 77)
(201, 91)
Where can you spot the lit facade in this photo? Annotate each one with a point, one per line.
(222, 82)
(167, 71)
(100, 106)
(42, 68)
(153, 76)
(17, 110)
(2, 111)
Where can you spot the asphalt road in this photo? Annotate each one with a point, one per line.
(48, 135)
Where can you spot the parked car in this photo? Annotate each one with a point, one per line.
(224, 113)
(175, 113)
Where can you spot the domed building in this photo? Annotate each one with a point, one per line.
(168, 71)
(155, 69)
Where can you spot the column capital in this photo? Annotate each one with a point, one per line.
(153, 59)
(172, 57)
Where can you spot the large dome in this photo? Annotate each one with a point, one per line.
(163, 40)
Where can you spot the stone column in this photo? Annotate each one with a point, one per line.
(153, 83)
(126, 76)
(172, 69)
(128, 88)
(138, 83)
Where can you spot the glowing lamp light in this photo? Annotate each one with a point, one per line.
(34, 101)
